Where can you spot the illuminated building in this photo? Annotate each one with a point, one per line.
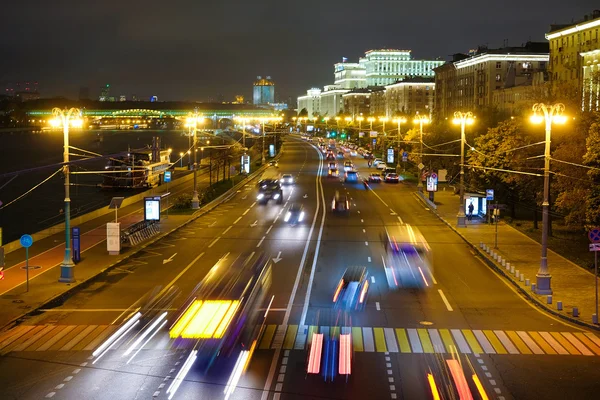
(105, 93)
(469, 82)
(387, 66)
(574, 56)
(409, 97)
(357, 102)
(311, 102)
(264, 91)
(349, 75)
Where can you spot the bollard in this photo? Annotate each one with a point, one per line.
(559, 305)
(504, 262)
(575, 312)
(484, 247)
(507, 265)
(494, 255)
(512, 269)
(522, 277)
(549, 299)
(481, 244)
(526, 282)
(499, 260)
(594, 318)
(533, 287)
(517, 273)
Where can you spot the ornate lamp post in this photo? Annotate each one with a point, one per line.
(463, 119)
(399, 121)
(420, 119)
(64, 118)
(550, 114)
(383, 120)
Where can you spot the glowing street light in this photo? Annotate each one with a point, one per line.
(66, 118)
(420, 119)
(192, 122)
(462, 119)
(181, 153)
(550, 114)
(383, 120)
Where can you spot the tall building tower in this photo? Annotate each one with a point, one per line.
(105, 93)
(264, 91)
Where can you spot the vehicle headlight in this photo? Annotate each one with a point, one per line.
(287, 216)
(301, 217)
(260, 196)
(276, 196)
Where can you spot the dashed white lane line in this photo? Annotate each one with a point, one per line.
(358, 211)
(400, 220)
(377, 306)
(226, 230)
(213, 242)
(366, 243)
(252, 205)
(362, 220)
(237, 220)
(68, 378)
(76, 371)
(269, 230)
(364, 231)
(369, 259)
(445, 300)
(246, 212)
(60, 386)
(50, 395)
(261, 240)
(433, 279)
(372, 279)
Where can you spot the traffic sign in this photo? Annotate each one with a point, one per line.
(167, 176)
(26, 241)
(594, 235)
(594, 246)
(421, 166)
(489, 194)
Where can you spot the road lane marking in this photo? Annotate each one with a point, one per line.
(415, 343)
(237, 220)
(425, 341)
(213, 242)
(269, 230)
(495, 342)
(403, 340)
(246, 212)
(377, 306)
(390, 340)
(261, 240)
(369, 345)
(380, 344)
(545, 346)
(372, 279)
(362, 220)
(252, 205)
(226, 230)
(433, 279)
(472, 341)
(358, 211)
(506, 342)
(400, 220)
(369, 259)
(445, 300)
(366, 243)
(364, 231)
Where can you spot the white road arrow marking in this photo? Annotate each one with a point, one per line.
(278, 258)
(305, 196)
(168, 260)
(244, 198)
(254, 224)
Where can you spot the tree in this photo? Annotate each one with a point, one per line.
(303, 113)
(592, 159)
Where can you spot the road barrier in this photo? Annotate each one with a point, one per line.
(139, 232)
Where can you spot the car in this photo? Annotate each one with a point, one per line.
(330, 155)
(348, 166)
(340, 203)
(294, 214)
(352, 290)
(333, 173)
(287, 179)
(381, 165)
(377, 161)
(351, 176)
(270, 189)
(273, 163)
(340, 154)
(392, 177)
(375, 177)
(353, 153)
(332, 165)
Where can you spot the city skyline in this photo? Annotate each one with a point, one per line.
(140, 50)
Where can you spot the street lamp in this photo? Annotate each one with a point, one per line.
(463, 119)
(399, 121)
(181, 159)
(262, 120)
(192, 122)
(383, 120)
(65, 118)
(337, 121)
(420, 119)
(549, 114)
(326, 119)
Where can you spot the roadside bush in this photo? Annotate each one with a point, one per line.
(183, 201)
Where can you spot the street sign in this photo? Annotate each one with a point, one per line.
(167, 176)
(271, 150)
(405, 156)
(594, 246)
(76, 236)
(497, 206)
(432, 182)
(361, 134)
(390, 156)
(489, 194)
(594, 235)
(152, 208)
(245, 164)
(373, 133)
(26, 241)
(421, 166)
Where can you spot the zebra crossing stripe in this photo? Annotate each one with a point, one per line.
(101, 337)
(43, 338)
(267, 336)
(402, 340)
(34, 338)
(390, 340)
(89, 338)
(530, 343)
(495, 342)
(447, 339)
(290, 335)
(59, 335)
(438, 346)
(460, 340)
(545, 346)
(555, 345)
(335, 332)
(368, 339)
(20, 331)
(485, 344)
(300, 343)
(425, 342)
(565, 343)
(415, 343)
(78, 338)
(379, 340)
(516, 339)
(470, 338)
(311, 331)
(279, 335)
(579, 345)
(506, 342)
(357, 341)
(30, 333)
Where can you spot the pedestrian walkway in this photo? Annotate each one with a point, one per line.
(293, 337)
(571, 284)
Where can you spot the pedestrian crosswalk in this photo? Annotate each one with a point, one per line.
(429, 341)
(364, 339)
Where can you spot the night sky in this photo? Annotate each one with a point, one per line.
(198, 49)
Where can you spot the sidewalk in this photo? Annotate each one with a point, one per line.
(571, 284)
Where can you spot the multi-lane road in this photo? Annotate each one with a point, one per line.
(468, 326)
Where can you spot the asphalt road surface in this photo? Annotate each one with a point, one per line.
(468, 334)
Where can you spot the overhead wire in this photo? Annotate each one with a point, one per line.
(30, 190)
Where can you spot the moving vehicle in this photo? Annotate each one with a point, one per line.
(287, 179)
(407, 259)
(330, 155)
(348, 166)
(332, 165)
(340, 154)
(377, 161)
(270, 189)
(273, 163)
(392, 177)
(294, 214)
(381, 165)
(222, 316)
(353, 153)
(351, 292)
(340, 203)
(333, 173)
(351, 176)
(375, 177)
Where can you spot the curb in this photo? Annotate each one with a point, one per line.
(490, 263)
(202, 211)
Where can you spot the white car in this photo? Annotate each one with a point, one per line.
(353, 153)
(381, 165)
(377, 161)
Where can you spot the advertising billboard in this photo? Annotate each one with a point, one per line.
(152, 208)
(245, 164)
(390, 156)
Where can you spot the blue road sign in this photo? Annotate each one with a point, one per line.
(594, 235)
(167, 176)
(26, 241)
(489, 194)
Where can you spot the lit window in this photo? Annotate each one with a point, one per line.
(498, 64)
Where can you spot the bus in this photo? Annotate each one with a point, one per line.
(221, 318)
(407, 259)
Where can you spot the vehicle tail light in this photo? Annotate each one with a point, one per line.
(287, 216)
(338, 290)
(345, 367)
(314, 359)
(363, 292)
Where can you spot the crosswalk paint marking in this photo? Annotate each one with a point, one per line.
(516, 339)
(67, 338)
(495, 342)
(77, 338)
(89, 338)
(415, 343)
(506, 342)
(59, 336)
(267, 337)
(34, 338)
(23, 338)
(390, 340)
(447, 339)
(555, 345)
(22, 330)
(43, 338)
(542, 343)
(460, 341)
(335, 332)
(279, 335)
(357, 342)
(368, 339)
(473, 343)
(301, 337)
(530, 343)
(100, 338)
(11, 333)
(593, 337)
(290, 335)
(425, 342)
(565, 343)
(485, 344)
(379, 340)
(403, 340)
(346, 330)
(438, 346)
(325, 331)
(312, 329)
(578, 344)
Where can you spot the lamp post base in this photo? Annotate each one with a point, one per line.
(67, 274)
(461, 217)
(195, 201)
(543, 284)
